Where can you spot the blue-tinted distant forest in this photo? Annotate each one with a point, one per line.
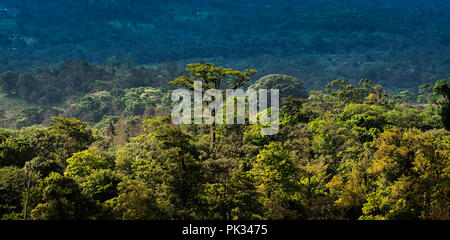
(85, 110)
(394, 42)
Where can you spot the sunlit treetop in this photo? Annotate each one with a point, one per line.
(213, 77)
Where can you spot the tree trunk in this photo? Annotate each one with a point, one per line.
(25, 214)
(213, 137)
(213, 130)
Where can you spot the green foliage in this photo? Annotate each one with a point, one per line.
(96, 106)
(135, 202)
(61, 198)
(288, 85)
(348, 153)
(50, 86)
(405, 96)
(236, 198)
(15, 152)
(293, 108)
(8, 81)
(253, 136)
(12, 184)
(442, 97)
(26, 84)
(102, 185)
(411, 176)
(73, 133)
(425, 93)
(167, 162)
(275, 175)
(351, 94)
(213, 77)
(84, 163)
(276, 163)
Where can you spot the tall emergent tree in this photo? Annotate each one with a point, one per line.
(213, 77)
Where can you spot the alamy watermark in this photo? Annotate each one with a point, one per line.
(235, 107)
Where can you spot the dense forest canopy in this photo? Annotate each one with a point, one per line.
(347, 152)
(85, 103)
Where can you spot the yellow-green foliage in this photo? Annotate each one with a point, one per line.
(84, 163)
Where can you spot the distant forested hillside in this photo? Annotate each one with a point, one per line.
(85, 102)
(401, 44)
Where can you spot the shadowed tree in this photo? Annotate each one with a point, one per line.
(442, 97)
(8, 82)
(74, 135)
